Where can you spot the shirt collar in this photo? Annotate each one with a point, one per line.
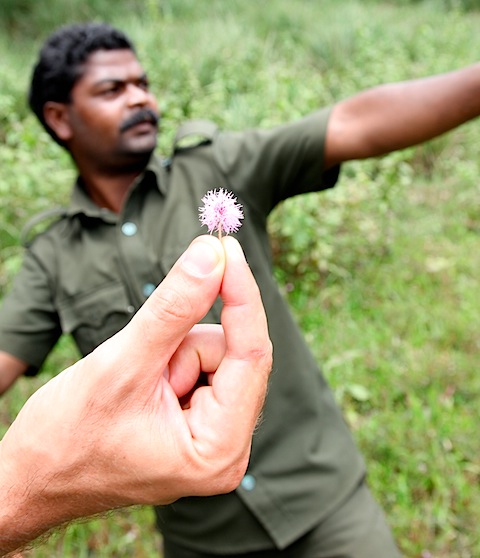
(81, 203)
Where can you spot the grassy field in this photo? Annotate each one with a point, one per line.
(382, 272)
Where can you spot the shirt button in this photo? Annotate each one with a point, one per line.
(129, 229)
(148, 289)
(248, 482)
(130, 309)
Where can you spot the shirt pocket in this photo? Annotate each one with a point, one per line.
(166, 263)
(94, 316)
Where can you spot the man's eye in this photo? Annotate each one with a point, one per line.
(112, 89)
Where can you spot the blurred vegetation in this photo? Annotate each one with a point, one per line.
(381, 272)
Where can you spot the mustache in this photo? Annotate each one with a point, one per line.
(143, 115)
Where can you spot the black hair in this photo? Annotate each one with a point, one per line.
(61, 61)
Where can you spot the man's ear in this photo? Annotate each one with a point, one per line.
(57, 118)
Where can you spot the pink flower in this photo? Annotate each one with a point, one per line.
(221, 212)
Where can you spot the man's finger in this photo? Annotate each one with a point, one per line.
(202, 350)
(244, 371)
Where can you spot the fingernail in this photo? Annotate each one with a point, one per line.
(232, 244)
(200, 258)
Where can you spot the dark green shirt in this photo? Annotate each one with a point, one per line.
(90, 271)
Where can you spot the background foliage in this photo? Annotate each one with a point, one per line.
(381, 272)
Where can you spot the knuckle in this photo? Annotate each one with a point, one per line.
(231, 474)
(170, 304)
(263, 355)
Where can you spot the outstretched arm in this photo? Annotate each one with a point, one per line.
(398, 115)
(110, 431)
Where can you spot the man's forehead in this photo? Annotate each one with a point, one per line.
(111, 64)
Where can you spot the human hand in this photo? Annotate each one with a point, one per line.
(110, 431)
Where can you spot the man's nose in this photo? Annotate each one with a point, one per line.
(137, 95)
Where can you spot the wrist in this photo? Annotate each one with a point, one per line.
(35, 496)
(21, 519)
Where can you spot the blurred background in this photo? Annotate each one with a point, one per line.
(381, 272)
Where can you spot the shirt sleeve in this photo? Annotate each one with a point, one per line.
(29, 323)
(268, 166)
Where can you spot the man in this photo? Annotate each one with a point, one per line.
(132, 214)
(110, 431)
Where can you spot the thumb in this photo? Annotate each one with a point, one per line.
(182, 299)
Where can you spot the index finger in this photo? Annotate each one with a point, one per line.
(243, 374)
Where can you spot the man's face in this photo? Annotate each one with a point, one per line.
(112, 115)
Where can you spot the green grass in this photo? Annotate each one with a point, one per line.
(381, 272)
